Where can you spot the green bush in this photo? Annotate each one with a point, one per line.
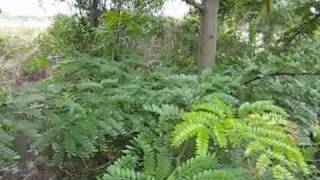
(201, 167)
(67, 36)
(90, 103)
(93, 107)
(96, 108)
(34, 64)
(260, 129)
(126, 100)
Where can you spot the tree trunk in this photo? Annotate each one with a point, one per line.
(208, 34)
(94, 13)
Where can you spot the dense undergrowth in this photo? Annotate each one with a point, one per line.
(88, 112)
(129, 103)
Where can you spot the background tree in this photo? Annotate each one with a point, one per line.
(208, 31)
(93, 9)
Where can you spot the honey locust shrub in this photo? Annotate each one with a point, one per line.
(259, 128)
(92, 106)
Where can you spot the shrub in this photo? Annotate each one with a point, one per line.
(67, 36)
(91, 108)
(200, 167)
(260, 128)
(34, 64)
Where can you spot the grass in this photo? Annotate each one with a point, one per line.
(16, 46)
(26, 33)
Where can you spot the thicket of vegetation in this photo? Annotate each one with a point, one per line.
(119, 92)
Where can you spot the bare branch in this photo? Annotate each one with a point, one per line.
(194, 4)
(281, 74)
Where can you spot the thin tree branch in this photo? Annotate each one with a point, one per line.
(194, 4)
(299, 31)
(296, 31)
(309, 145)
(280, 74)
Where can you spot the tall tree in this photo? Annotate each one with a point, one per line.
(208, 31)
(94, 13)
(93, 9)
(90, 9)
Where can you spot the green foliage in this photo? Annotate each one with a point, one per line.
(278, 24)
(90, 102)
(7, 133)
(7, 153)
(138, 6)
(35, 64)
(309, 22)
(11, 47)
(200, 167)
(149, 158)
(268, 76)
(101, 114)
(67, 36)
(92, 106)
(259, 128)
(125, 20)
(120, 31)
